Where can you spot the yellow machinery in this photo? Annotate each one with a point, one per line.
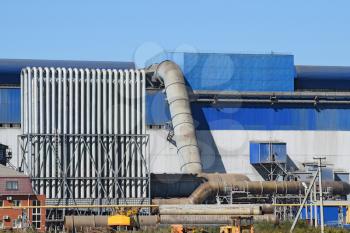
(118, 220)
(178, 228)
(239, 225)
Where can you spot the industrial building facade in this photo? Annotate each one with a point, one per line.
(93, 132)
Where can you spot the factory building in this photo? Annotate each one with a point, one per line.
(112, 133)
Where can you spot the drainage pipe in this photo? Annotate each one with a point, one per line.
(180, 111)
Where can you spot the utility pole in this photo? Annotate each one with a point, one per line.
(303, 202)
(319, 165)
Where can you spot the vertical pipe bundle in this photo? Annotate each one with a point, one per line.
(85, 130)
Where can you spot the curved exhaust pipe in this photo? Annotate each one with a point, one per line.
(181, 116)
(218, 183)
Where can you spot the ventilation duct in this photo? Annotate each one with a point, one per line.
(180, 111)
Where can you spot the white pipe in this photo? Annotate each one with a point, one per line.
(127, 130)
(110, 130)
(179, 106)
(76, 130)
(41, 131)
(52, 78)
(143, 125)
(70, 170)
(122, 129)
(93, 130)
(132, 131)
(58, 108)
(81, 159)
(36, 165)
(138, 132)
(116, 131)
(99, 131)
(88, 131)
(48, 129)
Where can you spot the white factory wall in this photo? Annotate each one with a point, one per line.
(8, 136)
(233, 146)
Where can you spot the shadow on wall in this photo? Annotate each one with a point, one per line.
(210, 156)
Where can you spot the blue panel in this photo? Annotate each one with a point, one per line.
(10, 69)
(279, 150)
(157, 109)
(331, 214)
(267, 152)
(10, 105)
(327, 174)
(264, 152)
(254, 153)
(242, 72)
(341, 177)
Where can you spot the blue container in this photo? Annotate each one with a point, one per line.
(268, 152)
(234, 72)
(10, 106)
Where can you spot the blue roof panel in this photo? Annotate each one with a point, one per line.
(238, 72)
(10, 69)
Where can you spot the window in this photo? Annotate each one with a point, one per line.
(16, 203)
(1, 203)
(12, 185)
(17, 223)
(36, 215)
(1, 224)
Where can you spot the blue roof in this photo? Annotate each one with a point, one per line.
(10, 69)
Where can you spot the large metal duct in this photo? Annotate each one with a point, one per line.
(180, 110)
(84, 132)
(219, 183)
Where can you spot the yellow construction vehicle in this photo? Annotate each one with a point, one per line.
(239, 225)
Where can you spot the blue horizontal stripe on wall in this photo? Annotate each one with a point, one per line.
(258, 117)
(270, 118)
(10, 106)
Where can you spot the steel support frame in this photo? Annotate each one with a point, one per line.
(108, 184)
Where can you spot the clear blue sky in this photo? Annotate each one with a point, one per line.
(315, 31)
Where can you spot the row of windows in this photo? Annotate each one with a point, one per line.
(18, 203)
(36, 218)
(12, 185)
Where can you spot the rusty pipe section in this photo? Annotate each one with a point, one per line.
(181, 116)
(78, 221)
(155, 220)
(219, 183)
(210, 210)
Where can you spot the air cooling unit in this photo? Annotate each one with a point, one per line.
(9, 198)
(6, 217)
